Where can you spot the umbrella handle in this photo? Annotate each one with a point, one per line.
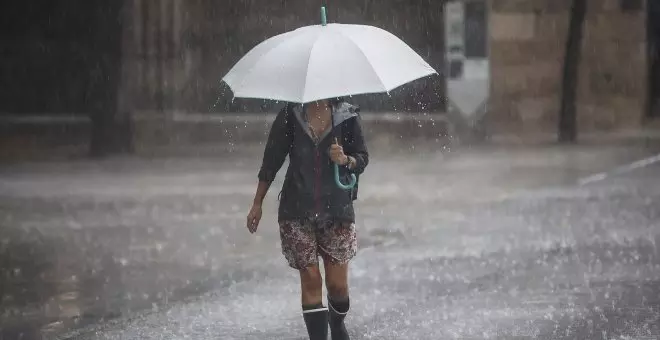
(324, 17)
(341, 185)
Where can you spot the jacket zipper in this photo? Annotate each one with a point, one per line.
(317, 185)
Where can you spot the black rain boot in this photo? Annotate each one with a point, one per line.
(316, 321)
(338, 311)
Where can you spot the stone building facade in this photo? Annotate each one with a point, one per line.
(168, 56)
(528, 39)
(177, 50)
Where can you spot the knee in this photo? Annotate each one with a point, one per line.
(337, 288)
(310, 279)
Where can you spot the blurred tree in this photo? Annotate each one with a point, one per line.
(568, 112)
(653, 36)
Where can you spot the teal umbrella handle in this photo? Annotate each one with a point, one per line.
(341, 185)
(324, 17)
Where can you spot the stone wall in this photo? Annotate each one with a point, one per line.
(613, 80)
(527, 47)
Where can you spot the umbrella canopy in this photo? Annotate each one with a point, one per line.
(326, 61)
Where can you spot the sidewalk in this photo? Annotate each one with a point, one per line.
(193, 134)
(202, 135)
(642, 135)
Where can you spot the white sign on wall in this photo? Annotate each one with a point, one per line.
(468, 67)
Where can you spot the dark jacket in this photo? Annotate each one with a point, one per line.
(309, 187)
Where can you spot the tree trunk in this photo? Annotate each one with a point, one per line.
(653, 50)
(111, 128)
(568, 112)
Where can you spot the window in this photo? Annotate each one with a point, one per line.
(455, 69)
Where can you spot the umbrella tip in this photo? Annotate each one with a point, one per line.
(324, 17)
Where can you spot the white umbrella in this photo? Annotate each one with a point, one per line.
(326, 61)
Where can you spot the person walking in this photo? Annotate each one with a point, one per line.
(316, 217)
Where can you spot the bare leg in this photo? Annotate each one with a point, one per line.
(336, 279)
(311, 284)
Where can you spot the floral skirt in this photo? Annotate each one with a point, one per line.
(303, 241)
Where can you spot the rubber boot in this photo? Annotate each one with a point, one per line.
(337, 313)
(316, 321)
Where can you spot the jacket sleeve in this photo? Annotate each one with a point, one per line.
(277, 147)
(356, 146)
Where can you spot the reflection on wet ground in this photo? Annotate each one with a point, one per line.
(51, 282)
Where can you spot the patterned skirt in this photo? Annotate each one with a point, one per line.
(303, 241)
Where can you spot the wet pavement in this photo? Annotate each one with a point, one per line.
(482, 243)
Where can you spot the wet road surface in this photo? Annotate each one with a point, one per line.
(477, 244)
